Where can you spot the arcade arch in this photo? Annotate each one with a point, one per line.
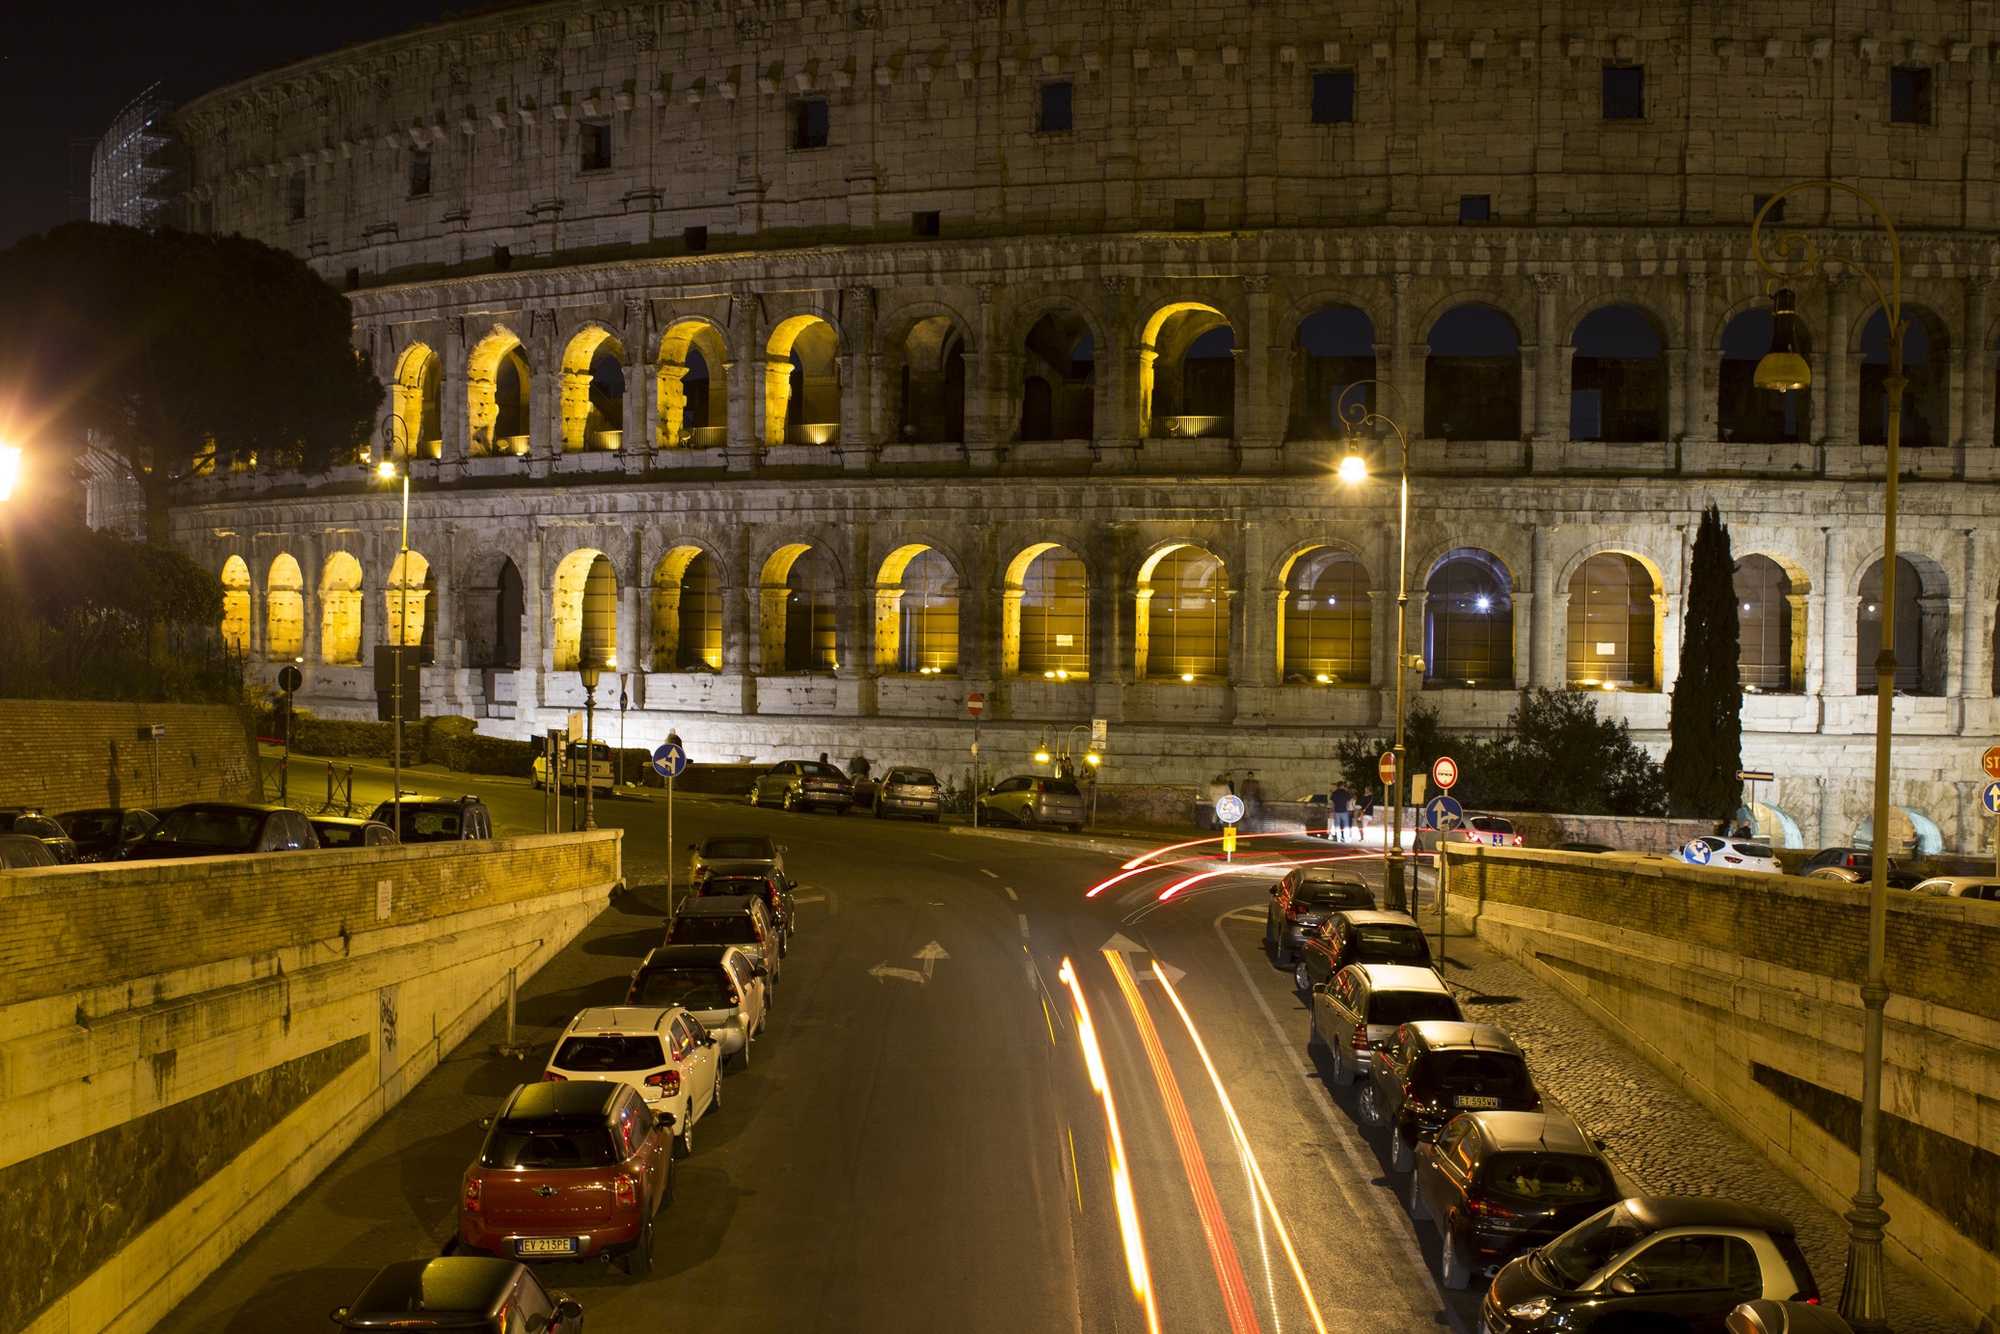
(1326, 620)
(694, 386)
(1618, 378)
(1045, 619)
(1469, 623)
(916, 613)
(497, 386)
(1187, 373)
(236, 606)
(1059, 379)
(593, 392)
(1182, 626)
(1334, 348)
(1614, 620)
(1744, 413)
(687, 612)
(584, 612)
(931, 409)
(285, 609)
(802, 383)
(340, 610)
(417, 432)
(1472, 377)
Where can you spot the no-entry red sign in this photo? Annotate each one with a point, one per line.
(1992, 761)
(1445, 772)
(1386, 766)
(975, 704)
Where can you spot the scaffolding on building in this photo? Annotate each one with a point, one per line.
(134, 164)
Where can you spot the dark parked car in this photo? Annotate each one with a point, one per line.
(1651, 1262)
(1359, 935)
(738, 919)
(1858, 868)
(907, 791)
(102, 833)
(803, 785)
(777, 900)
(1303, 899)
(734, 854)
(1500, 1183)
(33, 824)
(19, 852)
(221, 828)
(569, 1170)
(1433, 1070)
(476, 1293)
(437, 819)
(345, 831)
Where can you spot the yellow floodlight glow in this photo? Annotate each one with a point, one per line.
(386, 471)
(10, 470)
(1353, 469)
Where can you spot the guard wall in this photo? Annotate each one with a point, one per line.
(70, 754)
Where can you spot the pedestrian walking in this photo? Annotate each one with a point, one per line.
(1364, 811)
(1218, 788)
(1253, 800)
(1341, 802)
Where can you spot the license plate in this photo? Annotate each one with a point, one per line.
(1489, 1103)
(545, 1246)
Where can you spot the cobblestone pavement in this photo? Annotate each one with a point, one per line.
(1654, 1131)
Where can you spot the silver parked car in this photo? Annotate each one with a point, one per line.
(738, 854)
(1030, 801)
(907, 791)
(803, 785)
(719, 985)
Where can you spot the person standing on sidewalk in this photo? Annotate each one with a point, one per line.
(1364, 811)
(1341, 803)
(1253, 800)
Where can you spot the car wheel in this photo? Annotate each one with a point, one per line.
(791, 800)
(1301, 978)
(1343, 1073)
(684, 1142)
(741, 1060)
(1027, 819)
(753, 795)
(1369, 1106)
(715, 1094)
(1418, 1209)
(1402, 1153)
(1267, 929)
(668, 1191)
(639, 1260)
(1285, 955)
(1452, 1269)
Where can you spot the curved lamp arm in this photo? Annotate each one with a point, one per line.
(1794, 254)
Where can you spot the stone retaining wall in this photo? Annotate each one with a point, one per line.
(68, 754)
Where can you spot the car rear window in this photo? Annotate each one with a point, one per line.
(1333, 894)
(915, 777)
(703, 988)
(341, 835)
(605, 1054)
(735, 929)
(1491, 824)
(1753, 850)
(746, 849)
(1059, 787)
(1545, 1178)
(1490, 1072)
(1391, 944)
(527, 1146)
(38, 826)
(1410, 1007)
(814, 769)
(89, 826)
(734, 886)
(425, 824)
(225, 829)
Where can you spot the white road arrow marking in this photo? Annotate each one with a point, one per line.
(1152, 974)
(882, 972)
(1122, 944)
(930, 954)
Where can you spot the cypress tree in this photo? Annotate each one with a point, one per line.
(1705, 727)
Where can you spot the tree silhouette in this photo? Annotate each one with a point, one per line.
(1705, 727)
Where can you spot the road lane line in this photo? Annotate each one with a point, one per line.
(1048, 1019)
(1075, 1176)
(1023, 917)
(1236, 1299)
(984, 871)
(941, 857)
(810, 898)
(1010, 893)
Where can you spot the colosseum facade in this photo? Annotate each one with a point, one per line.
(835, 361)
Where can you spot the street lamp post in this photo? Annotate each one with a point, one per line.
(589, 669)
(1353, 471)
(1795, 255)
(390, 470)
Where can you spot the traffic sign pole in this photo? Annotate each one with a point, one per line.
(1991, 797)
(670, 761)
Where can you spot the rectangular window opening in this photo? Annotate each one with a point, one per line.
(1056, 116)
(809, 123)
(295, 197)
(1333, 97)
(593, 138)
(1190, 215)
(1777, 213)
(1910, 95)
(1586, 414)
(694, 239)
(420, 173)
(1475, 208)
(503, 258)
(925, 224)
(1624, 92)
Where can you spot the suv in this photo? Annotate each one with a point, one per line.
(1499, 1183)
(33, 824)
(1366, 1003)
(1434, 1070)
(733, 919)
(665, 1054)
(1303, 899)
(763, 887)
(907, 791)
(717, 984)
(793, 784)
(102, 833)
(221, 828)
(1684, 1261)
(437, 819)
(568, 1170)
(1031, 802)
(1359, 935)
(735, 854)
(475, 1293)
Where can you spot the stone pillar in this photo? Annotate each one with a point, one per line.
(774, 390)
(1976, 373)
(1693, 417)
(451, 400)
(1259, 422)
(1545, 377)
(858, 354)
(1976, 676)
(548, 392)
(1812, 681)
(1254, 650)
(1837, 625)
(1116, 417)
(535, 613)
(668, 414)
(1406, 359)
(746, 386)
(1838, 369)
(986, 432)
(1666, 640)
(1543, 671)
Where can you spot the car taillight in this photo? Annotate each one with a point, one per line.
(1486, 1208)
(758, 927)
(626, 1191)
(666, 1081)
(551, 1077)
(1361, 1039)
(472, 1189)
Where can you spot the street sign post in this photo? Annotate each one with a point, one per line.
(1443, 813)
(1385, 768)
(1445, 773)
(975, 704)
(1990, 797)
(670, 761)
(1229, 809)
(290, 678)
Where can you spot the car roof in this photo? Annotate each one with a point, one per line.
(1664, 1211)
(682, 956)
(1327, 875)
(571, 1098)
(622, 1019)
(345, 821)
(720, 905)
(1455, 1035)
(258, 808)
(456, 1285)
(1375, 917)
(1507, 1132)
(1400, 977)
(1957, 880)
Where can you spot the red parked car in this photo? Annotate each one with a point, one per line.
(569, 1170)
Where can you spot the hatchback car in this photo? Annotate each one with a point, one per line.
(1861, 870)
(476, 1293)
(437, 819)
(1498, 1183)
(1651, 1262)
(1493, 830)
(568, 1170)
(19, 852)
(1729, 854)
(1033, 802)
(717, 984)
(1431, 1071)
(1359, 935)
(102, 833)
(1302, 900)
(345, 831)
(730, 854)
(733, 919)
(803, 785)
(1960, 887)
(220, 828)
(907, 791)
(764, 887)
(33, 824)
(663, 1052)
(1366, 1003)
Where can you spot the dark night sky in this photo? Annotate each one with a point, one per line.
(66, 68)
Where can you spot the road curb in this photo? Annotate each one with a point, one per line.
(1119, 849)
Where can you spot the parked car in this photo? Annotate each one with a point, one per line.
(1686, 1261)
(437, 819)
(1765, 1317)
(661, 1051)
(1841, 857)
(718, 984)
(476, 1293)
(1494, 830)
(220, 828)
(33, 824)
(729, 854)
(1861, 871)
(1032, 802)
(762, 886)
(1359, 935)
(568, 1170)
(1729, 854)
(803, 785)
(574, 771)
(1366, 1003)
(346, 831)
(734, 919)
(102, 833)
(1433, 1070)
(1960, 886)
(1302, 899)
(20, 852)
(907, 791)
(1496, 1184)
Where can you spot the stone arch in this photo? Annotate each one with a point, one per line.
(1922, 621)
(584, 611)
(498, 386)
(416, 430)
(1617, 610)
(492, 605)
(1332, 348)
(931, 402)
(799, 610)
(410, 601)
(1183, 636)
(1059, 377)
(1926, 365)
(1325, 618)
(236, 606)
(340, 609)
(593, 392)
(1472, 375)
(1912, 834)
(1187, 372)
(694, 386)
(687, 611)
(1744, 413)
(802, 388)
(1771, 623)
(917, 612)
(1618, 376)
(1045, 614)
(1469, 622)
(285, 609)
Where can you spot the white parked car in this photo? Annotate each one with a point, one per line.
(1729, 854)
(1961, 887)
(664, 1053)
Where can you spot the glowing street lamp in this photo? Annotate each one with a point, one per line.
(10, 470)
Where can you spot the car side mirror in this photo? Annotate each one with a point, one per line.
(569, 1308)
(759, 970)
(486, 1123)
(694, 847)
(1627, 1284)
(709, 1040)
(337, 1314)
(1597, 1144)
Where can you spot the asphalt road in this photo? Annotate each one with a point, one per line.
(907, 1154)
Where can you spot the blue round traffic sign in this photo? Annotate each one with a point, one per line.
(1991, 796)
(1229, 808)
(670, 760)
(1697, 852)
(1443, 813)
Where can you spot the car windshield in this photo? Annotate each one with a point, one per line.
(704, 988)
(341, 835)
(38, 826)
(526, 1146)
(1333, 894)
(425, 824)
(1409, 1007)
(735, 929)
(206, 824)
(1494, 1073)
(914, 777)
(90, 826)
(1391, 944)
(814, 769)
(1545, 1178)
(1577, 1254)
(603, 1053)
(738, 849)
(1060, 787)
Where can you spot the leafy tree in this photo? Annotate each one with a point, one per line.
(1705, 727)
(179, 352)
(1424, 740)
(1557, 755)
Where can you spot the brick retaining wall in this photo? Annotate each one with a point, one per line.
(68, 754)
